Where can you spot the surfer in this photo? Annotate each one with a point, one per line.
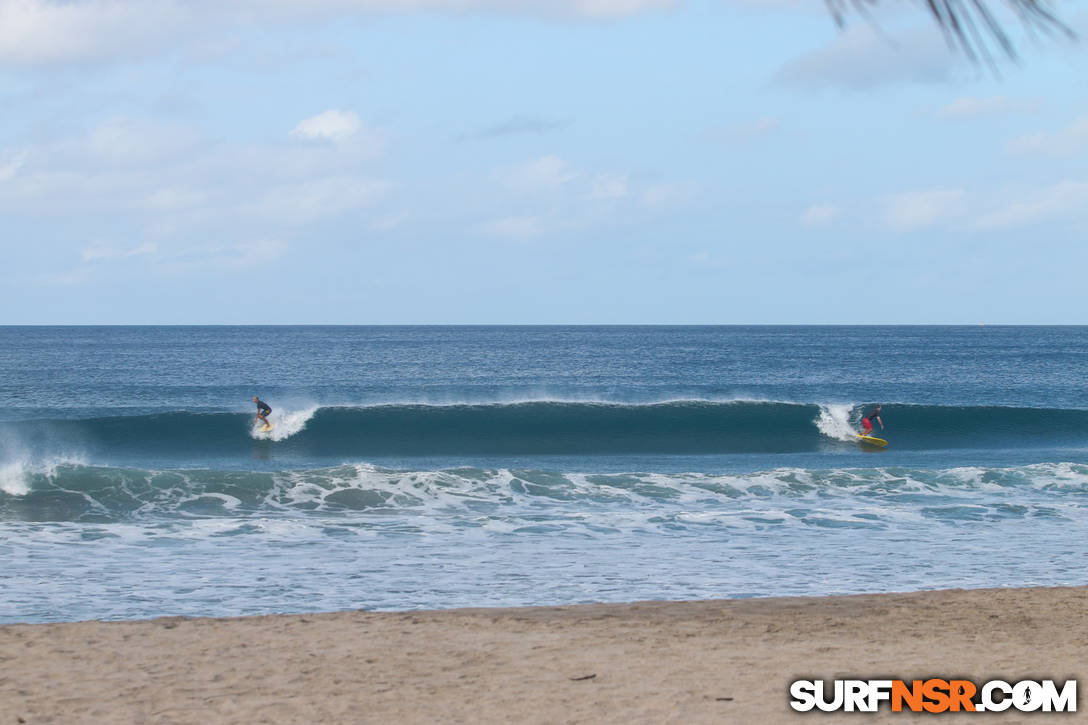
(867, 421)
(264, 410)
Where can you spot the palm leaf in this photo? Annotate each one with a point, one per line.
(970, 25)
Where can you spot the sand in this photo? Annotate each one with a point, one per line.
(656, 662)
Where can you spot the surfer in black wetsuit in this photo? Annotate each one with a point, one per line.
(263, 410)
(867, 421)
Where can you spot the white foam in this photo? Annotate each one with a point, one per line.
(13, 479)
(834, 421)
(15, 475)
(284, 425)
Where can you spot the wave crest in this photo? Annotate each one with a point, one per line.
(680, 428)
(284, 425)
(834, 422)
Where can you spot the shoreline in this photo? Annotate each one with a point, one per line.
(688, 661)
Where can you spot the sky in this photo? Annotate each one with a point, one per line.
(533, 162)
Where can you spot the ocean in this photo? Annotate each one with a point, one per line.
(437, 467)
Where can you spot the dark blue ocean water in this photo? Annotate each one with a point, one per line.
(464, 466)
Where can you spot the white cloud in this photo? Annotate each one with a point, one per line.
(609, 186)
(10, 166)
(546, 172)
(745, 130)
(591, 9)
(706, 261)
(612, 8)
(1055, 201)
(259, 251)
(35, 32)
(228, 257)
(987, 210)
(133, 141)
(669, 194)
(174, 199)
(105, 252)
(805, 6)
(861, 58)
(917, 209)
(312, 199)
(169, 180)
(551, 194)
(389, 222)
(515, 227)
(46, 31)
(818, 214)
(331, 125)
(76, 276)
(970, 107)
(1073, 139)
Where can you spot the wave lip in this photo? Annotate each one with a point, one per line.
(834, 422)
(678, 427)
(16, 476)
(284, 424)
(13, 479)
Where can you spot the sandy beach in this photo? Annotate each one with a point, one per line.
(703, 662)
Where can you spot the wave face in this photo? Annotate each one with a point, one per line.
(683, 427)
(851, 498)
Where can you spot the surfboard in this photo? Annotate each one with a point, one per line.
(267, 428)
(873, 441)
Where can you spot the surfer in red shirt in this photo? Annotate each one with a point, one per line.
(867, 421)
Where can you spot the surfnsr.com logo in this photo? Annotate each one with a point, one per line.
(933, 695)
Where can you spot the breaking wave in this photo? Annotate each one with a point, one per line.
(75, 492)
(680, 427)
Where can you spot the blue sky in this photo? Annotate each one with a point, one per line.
(569, 161)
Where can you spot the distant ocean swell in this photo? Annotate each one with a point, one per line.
(865, 497)
(683, 427)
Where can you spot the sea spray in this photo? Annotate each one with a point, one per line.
(17, 475)
(834, 421)
(284, 424)
(13, 478)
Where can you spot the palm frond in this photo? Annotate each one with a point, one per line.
(971, 25)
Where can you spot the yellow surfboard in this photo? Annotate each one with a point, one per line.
(873, 441)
